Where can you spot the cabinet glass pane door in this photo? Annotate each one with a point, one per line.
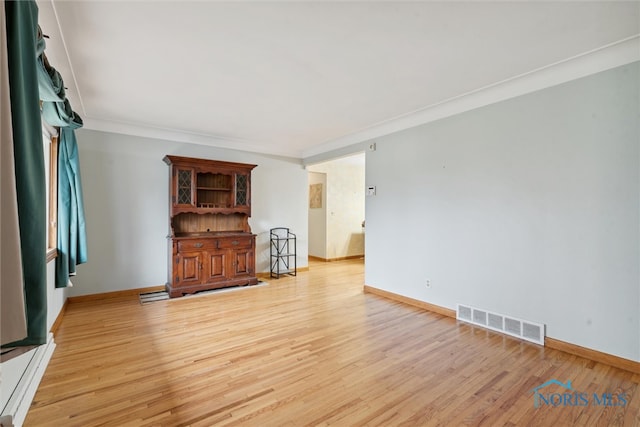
(242, 188)
(184, 187)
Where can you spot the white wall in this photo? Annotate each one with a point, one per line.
(318, 219)
(529, 207)
(125, 185)
(344, 205)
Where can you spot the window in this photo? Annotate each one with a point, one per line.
(50, 152)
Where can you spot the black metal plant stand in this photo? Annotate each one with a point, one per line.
(283, 252)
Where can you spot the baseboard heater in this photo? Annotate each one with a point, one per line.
(21, 395)
(523, 329)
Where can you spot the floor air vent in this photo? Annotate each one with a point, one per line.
(524, 329)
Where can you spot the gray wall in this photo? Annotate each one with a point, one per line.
(125, 187)
(528, 207)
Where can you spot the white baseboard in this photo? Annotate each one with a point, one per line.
(15, 411)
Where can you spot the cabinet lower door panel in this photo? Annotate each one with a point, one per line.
(189, 268)
(216, 266)
(243, 263)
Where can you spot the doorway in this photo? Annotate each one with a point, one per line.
(337, 208)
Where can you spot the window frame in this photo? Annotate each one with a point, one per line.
(50, 138)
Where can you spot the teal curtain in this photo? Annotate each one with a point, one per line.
(22, 28)
(56, 110)
(72, 240)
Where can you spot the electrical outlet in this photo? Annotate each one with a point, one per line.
(372, 146)
(428, 283)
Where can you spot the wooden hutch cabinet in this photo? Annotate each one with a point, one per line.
(210, 242)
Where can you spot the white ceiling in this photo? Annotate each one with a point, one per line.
(299, 78)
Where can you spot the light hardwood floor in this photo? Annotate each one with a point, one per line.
(309, 350)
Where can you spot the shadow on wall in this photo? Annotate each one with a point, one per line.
(355, 245)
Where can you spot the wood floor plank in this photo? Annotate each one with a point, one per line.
(306, 350)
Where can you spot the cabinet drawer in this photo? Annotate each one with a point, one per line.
(235, 242)
(196, 244)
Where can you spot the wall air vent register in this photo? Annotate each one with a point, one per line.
(524, 329)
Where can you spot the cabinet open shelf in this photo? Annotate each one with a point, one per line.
(212, 206)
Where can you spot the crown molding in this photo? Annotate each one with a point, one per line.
(179, 135)
(607, 57)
